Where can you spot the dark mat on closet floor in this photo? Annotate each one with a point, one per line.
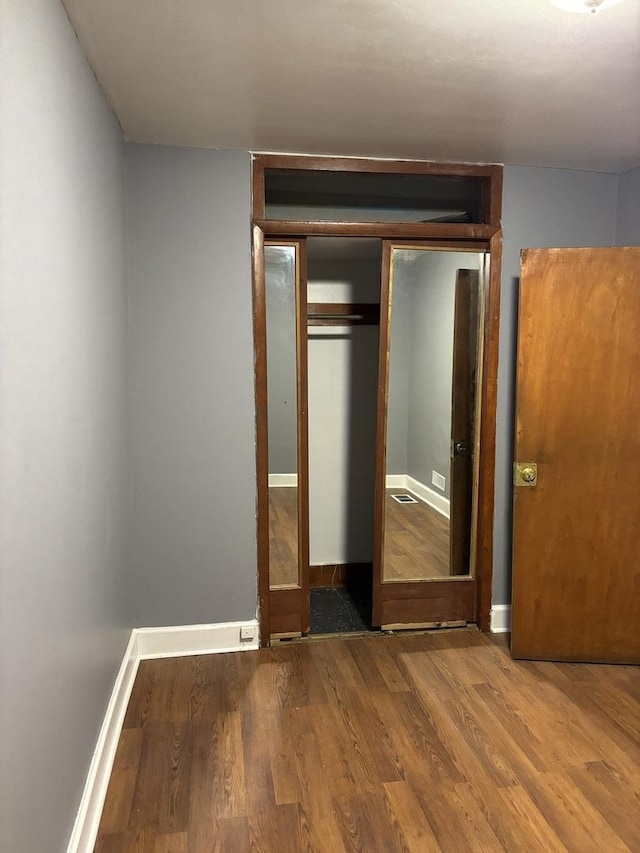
(336, 611)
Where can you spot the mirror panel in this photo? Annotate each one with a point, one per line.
(434, 316)
(281, 289)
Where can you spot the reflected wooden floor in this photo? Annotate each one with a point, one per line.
(283, 536)
(432, 742)
(416, 541)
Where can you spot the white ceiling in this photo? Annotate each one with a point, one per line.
(515, 81)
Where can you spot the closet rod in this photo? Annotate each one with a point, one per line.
(336, 317)
(342, 313)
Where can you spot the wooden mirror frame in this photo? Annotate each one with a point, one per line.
(484, 237)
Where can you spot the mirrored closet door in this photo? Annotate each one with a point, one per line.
(430, 345)
(284, 311)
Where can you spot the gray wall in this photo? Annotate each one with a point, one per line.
(429, 424)
(280, 297)
(421, 363)
(541, 208)
(192, 406)
(64, 620)
(431, 363)
(628, 213)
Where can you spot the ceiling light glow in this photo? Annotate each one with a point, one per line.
(584, 5)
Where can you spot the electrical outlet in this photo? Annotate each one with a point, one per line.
(438, 480)
(247, 633)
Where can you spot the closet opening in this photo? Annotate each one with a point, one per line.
(376, 294)
(343, 298)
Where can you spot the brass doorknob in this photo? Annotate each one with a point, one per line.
(525, 474)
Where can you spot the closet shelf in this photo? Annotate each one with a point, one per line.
(343, 314)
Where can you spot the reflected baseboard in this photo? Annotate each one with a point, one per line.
(396, 481)
(283, 480)
(420, 490)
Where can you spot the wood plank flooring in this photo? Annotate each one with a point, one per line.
(416, 541)
(424, 742)
(283, 536)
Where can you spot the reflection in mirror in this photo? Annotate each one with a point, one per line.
(280, 300)
(433, 347)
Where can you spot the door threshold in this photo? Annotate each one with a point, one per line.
(286, 636)
(428, 626)
(380, 632)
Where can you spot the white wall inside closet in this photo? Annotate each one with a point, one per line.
(343, 364)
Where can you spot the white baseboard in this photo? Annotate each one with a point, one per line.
(426, 494)
(180, 640)
(500, 618)
(144, 643)
(283, 480)
(85, 828)
(436, 501)
(396, 481)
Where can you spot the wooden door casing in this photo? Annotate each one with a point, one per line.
(576, 561)
(482, 237)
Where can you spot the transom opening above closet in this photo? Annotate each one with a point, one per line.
(344, 249)
(372, 197)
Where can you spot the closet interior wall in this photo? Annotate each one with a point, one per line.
(342, 374)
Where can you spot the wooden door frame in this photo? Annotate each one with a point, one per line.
(488, 175)
(486, 237)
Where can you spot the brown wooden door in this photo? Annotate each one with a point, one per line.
(465, 344)
(576, 558)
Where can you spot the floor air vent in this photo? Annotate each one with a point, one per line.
(404, 499)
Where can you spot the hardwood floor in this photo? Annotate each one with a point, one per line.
(283, 536)
(430, 742)
(416, 540)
